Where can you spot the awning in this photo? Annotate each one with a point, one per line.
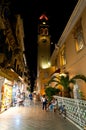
(9, 74)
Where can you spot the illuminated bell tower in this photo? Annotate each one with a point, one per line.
(43, 59)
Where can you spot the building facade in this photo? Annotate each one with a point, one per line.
(70, 52)
(12, 58)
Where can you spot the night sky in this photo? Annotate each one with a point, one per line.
(58, 12)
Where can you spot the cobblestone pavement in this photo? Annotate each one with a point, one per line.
(32, 117)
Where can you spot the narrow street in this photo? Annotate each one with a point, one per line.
(32, 117)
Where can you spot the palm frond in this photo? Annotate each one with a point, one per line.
(80, 76)
(73, 81)
(65, 80)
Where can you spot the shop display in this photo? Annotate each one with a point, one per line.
(6, 98)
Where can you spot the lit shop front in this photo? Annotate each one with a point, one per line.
(6, 94)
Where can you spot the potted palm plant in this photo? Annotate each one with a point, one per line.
(64, 80)
(50, 91)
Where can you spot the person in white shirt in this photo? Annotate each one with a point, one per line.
(44, 102)
(54, 103)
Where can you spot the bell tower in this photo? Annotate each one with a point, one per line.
(43, 43)
(43, 59)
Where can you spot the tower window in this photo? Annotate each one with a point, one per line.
(41, 31)
(46, 31)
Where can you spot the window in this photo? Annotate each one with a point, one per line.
(17, 68)
(46, 31)
(78, 35)
(41, 31)
(15, 63)
(62, 56)
(79, 41)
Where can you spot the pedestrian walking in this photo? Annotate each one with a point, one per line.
(30, 98)
(44, 102)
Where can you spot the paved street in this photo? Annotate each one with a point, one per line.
(32, 117)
